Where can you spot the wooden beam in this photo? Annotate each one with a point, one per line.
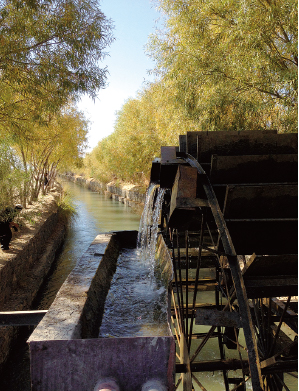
(233, 364)
(261, 201)
(217, 318)
(213, 365)
(200, 288)
(21, 318)
(254, 169)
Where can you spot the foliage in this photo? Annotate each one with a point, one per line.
(58, 144)
(11, 176)
(231, 64)
(66, 207)
(49, 51)
(143, 125)
(220, 65)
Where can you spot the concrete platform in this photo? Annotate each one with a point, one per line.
(65, 352)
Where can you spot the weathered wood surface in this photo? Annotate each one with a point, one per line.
(264, 236)
(271, 265)
(254, 168)
(262, 201)
(217, 318)
(271, 276)
(184, 188)
(202, 145)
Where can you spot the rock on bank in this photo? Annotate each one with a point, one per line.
(129, 194)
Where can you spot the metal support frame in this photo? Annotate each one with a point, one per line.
(228, 246)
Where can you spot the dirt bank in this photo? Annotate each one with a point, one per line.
(24, 267)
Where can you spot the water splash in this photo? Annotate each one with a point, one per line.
(146, 218)
(134, 306)
(149, 225)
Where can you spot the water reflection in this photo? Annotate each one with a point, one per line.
(95, 214)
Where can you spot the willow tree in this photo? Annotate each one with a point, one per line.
(58, 144)
(143, 124)
(50, 51)
(11, 175)
(233, 64)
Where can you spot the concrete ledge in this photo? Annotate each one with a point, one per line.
(80, 364)
(77, 309)
(64, 350)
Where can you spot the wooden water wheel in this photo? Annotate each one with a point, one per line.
(229, 218)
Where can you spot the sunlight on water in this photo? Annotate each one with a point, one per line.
(136, 304)
(95, 214)
(149, 226)
(134, 307)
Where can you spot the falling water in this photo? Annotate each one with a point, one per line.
(140, 297)
(149, 224)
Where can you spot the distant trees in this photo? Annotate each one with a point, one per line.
(50, 53)
(220, 65)
(56, 145)
(142, 126)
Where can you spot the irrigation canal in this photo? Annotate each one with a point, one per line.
(95, 214)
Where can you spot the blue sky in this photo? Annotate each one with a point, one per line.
(127, 63)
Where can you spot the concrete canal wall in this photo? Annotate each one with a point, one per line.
(129, 194)
(24, 267)
(64, 348)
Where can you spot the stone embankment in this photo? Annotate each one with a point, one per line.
(128, 194)
(24, 267)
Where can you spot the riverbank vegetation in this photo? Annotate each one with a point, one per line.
(50, 54)
(220, 65)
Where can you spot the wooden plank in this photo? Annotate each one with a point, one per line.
(213, 365)
(217, 318)
(271, 287)
(183, 203)
(268, 362)
(207, 287)
(264, 237)
(233, 143)
(254, 168)
(233, 364)
(168, 154)
(213, 137)
(201, 281)
(21, 318)
(183, 143)
(184, 187)
(263, 201)
(271, 276)
(271, 265)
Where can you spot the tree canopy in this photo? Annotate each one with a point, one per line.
(233, 64)
(50, 51)
(220, 65)
(50, 54)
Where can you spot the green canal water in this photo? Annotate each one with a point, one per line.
(95, 214)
